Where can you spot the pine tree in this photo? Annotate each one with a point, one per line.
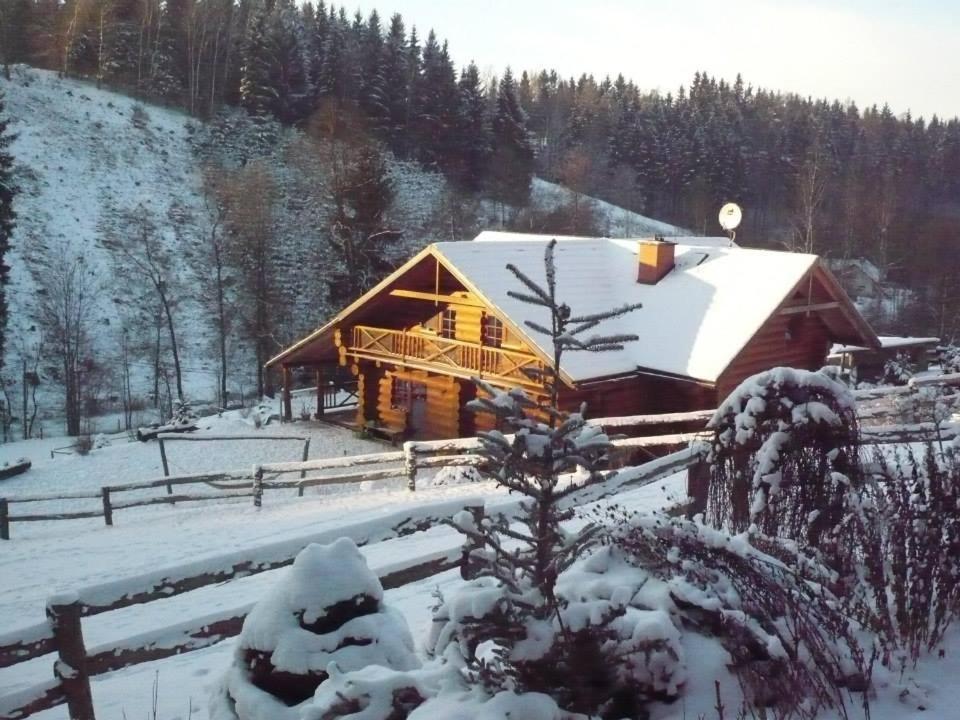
(389, 91)
(517, 569)
(8, 191)
(472, 132)
(288, 73)
(437, 104)
(257, 94)
(512, 166)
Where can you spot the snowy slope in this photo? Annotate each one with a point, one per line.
(80, 151)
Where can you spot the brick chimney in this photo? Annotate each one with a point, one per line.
(654, 259)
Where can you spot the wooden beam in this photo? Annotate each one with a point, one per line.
(319, 392)
(437, 297)
(814, 307)
(287, 399)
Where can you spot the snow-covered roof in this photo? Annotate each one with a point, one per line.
(693, 323)
(887, 341)
(861, 264)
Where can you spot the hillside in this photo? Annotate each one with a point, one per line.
(87, 160)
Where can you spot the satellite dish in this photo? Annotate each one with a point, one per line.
(730, 216)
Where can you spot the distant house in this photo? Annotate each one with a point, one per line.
(858, 276)
(713, 314)
(868, 363)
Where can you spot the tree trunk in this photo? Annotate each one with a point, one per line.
(173, 340)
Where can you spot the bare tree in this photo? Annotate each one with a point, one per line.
(144, 256)
(247, 198)
(811, 186)
(213, 293)
(68, 301)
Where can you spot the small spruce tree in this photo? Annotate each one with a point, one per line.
(523, 565)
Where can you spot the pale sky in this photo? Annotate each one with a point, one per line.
(871, 51)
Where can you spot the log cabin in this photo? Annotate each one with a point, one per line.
(713, 314)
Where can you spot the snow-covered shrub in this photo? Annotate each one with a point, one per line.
(325, 616)
(928, 404)
(182, 415)
(783, 455)
(907, 536)
(511, 627)
(83, 444)
(898, 370)
(457, 475)
(791, 649)
(949, 358)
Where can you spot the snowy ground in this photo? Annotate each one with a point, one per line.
(47, 557)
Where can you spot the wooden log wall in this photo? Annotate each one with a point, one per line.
(799, 341)
(442, 415)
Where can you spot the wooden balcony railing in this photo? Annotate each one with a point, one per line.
(444, 355)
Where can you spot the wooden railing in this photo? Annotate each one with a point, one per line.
(452, 356)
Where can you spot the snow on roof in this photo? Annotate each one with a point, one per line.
(862, 264)
(887, 341)
(693, 322)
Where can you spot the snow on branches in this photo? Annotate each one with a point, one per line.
(782, 455)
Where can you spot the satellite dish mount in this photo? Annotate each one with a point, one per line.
(730, 217)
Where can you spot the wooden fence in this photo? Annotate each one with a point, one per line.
(415, 456)
(169, 437)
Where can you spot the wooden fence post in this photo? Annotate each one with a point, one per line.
(258, 487)
(64, 613)
(698, 487)
(306, 454)
(4, 519)
(163, 458)
(467, 568)
(410, 464)
(107, 509)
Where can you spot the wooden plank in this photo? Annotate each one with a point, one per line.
(814, 307)
(658, 440)
(24, 703)
(165, 642)
(64, 613)
(183, 480)
(170, 499)
(26, 643)
(659, 419)
(57, 516)
(334, 463)
(451, 461)
(218, 438)
(437, 297)
(62, 496)
(167, 582)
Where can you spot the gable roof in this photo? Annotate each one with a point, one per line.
(694, 321)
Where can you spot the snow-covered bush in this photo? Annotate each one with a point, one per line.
(791, 649)
(182, 415)
(457, 475)
(907, 538)
(898, 370)
(83, 444)
(783, 456)
(949, 358)
(326, 616)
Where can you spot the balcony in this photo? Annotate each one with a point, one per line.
(444, 355)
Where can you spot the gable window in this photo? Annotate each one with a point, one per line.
(401, 395)
(448, 323)
(492, 331)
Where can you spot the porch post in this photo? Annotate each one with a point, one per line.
(319, 391)
(287, 400)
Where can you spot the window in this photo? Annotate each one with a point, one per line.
(448, 323)
(401, 394)
(492, 331)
